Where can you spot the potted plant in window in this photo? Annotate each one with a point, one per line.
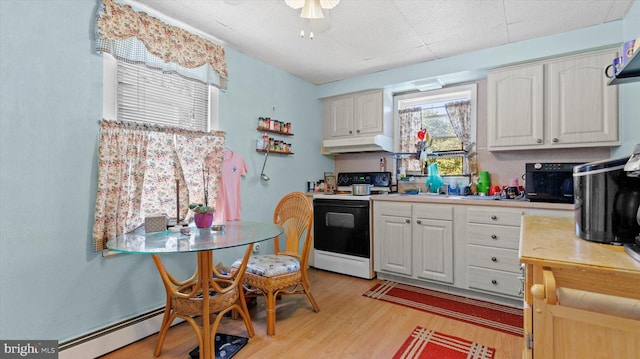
(203, 213)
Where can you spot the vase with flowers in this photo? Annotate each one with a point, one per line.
(203, 213)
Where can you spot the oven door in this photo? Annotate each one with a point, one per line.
(342, 226)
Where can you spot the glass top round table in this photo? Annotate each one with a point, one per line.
(204, 242)
(235, 233)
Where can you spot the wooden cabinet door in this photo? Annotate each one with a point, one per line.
(341, 117)
(392, 238)
(368, 113)
(515, 103)
(582, 108)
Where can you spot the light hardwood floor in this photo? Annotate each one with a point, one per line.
(347, 326)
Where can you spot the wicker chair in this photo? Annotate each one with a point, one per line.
(284, 272)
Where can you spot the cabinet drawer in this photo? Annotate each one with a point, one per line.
(496, 236)
(433, 211)
(494, 216)
(494, 258)
(495, 281)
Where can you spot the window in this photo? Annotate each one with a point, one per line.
(157, 152)
(135, 92)
(448, 117)
(150, 170)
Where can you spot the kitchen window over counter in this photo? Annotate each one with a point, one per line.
(437, 127)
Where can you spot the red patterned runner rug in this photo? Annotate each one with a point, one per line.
(428, 344)
(486, 314)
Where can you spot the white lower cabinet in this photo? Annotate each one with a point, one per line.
(414, 240)
(461, 248)
(493, 236)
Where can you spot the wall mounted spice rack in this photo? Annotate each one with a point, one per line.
(273, 145)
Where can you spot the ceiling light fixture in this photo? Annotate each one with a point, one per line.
(311, 9)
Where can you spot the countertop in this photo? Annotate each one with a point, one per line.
(551, 241)
(428, 198)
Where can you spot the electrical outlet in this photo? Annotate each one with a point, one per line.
(256, 248)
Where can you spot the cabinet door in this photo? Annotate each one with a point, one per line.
(392, 238)
(582, 108)
(342, 116)
(368, 113)
(432, 227)
(515, 103)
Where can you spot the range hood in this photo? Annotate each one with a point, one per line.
(359, 144)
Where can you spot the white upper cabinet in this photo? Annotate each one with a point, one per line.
(341, 116)
(358, 114)
(516, 106)
(368, 116)
(563, 102)
(582, 108)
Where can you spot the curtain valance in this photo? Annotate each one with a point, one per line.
(139, 38)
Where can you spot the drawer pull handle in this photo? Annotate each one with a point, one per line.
(407, 220)
(494, 282)
(493, 236)
(419, 221)
(494, 259)
(494, 217)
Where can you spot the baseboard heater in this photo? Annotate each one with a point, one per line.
(113, 337)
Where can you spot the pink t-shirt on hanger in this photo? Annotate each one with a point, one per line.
(228, 202)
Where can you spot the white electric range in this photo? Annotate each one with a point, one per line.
(342, 228)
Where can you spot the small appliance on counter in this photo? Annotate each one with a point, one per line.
(549, 182)
(607, 201)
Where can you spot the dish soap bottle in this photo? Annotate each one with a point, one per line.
(434, 180)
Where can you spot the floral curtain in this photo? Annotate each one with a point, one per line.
(142, 169)
(410, 124)
(139, 38)
(460, 117)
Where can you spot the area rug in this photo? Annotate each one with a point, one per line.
(486, 314)
(428, 344)
(226, 346)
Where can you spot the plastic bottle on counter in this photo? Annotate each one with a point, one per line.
(453, 186)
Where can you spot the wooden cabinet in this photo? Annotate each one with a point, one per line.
(357, 114)
(582, 298)
(493, 264)
(414, 240)
(563, 102)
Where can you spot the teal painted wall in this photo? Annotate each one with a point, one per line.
(52, 284)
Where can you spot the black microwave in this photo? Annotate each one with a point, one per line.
(549, 182)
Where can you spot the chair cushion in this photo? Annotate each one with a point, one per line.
(270, 265)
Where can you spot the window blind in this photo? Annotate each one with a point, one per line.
(151, 96)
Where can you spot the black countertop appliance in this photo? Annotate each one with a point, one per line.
(607, 202)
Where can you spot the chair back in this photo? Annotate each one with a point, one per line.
(295, 214)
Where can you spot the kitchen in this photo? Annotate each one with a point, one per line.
(72, 92)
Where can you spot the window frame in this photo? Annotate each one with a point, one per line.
(417, 98)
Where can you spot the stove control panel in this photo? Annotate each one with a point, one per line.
(377, 179)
